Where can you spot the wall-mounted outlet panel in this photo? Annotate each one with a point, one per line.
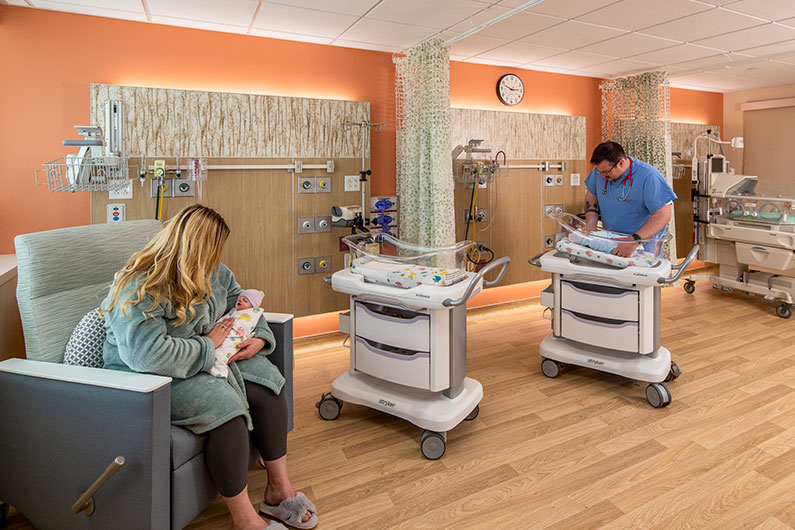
(549, 209)
(115, 213)
(558, 180)
(124, 192)
(549, 180)
(323, 264)
(575, 179)
(184, 188)
(306, 225)
(352, 183)
(481, 215)
(306, 185)
(323, 223)
(168, 192)
(322, 184)
(306, 265)
(558, 208)
(390, 198)
(549, 241)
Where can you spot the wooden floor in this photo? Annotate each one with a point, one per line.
(584, 450)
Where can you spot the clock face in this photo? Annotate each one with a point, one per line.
(510, 89)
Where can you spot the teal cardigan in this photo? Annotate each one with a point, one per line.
(152, 343)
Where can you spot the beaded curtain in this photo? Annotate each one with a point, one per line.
(424, 175)
(636, 113)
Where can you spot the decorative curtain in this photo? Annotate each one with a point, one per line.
(636, 113)
(424, 170)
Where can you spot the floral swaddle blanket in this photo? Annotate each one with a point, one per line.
(405, 276)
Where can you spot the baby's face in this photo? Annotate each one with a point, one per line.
(243, 303)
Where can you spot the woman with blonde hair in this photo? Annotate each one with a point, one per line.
(160, 318)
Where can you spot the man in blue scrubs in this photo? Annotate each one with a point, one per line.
(631, 196)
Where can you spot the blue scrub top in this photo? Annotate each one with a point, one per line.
(648, 193)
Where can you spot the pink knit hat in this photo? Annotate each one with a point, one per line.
(254, 296)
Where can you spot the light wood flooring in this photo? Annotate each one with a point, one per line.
(584, 450)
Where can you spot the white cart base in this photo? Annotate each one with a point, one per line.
(432, 411)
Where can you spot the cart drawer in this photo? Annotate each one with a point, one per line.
(603, 332)
(548, 297)
(599, 300)
(405, 367)
(770, 259)
(393, 326)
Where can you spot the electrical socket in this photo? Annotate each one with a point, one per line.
(352, 183)
(124, 192)
(575, 179)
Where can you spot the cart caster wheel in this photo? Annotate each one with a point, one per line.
(551, 368)
(329, 407)
(657, 395)
(474, 414)
(674, 373)
(689, 287)
(433, 444)
(784, 310)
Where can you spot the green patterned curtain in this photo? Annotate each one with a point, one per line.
(636, 112)
(424, 171)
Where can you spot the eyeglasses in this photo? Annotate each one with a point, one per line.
(605, 173)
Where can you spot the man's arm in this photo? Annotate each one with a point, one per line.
(591, 211)
(656, 222)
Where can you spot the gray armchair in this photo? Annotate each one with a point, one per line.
(63, 425)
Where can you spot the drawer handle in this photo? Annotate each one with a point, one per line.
(760, 249)
(395, 314)
(401, 354)
(613, 292)
(600, 321)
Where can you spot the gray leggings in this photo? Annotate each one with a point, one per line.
(227, 448)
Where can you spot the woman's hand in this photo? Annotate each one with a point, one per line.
(247, 349)
(220, 331)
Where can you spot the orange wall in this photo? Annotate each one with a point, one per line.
(49, 59)
(694, 106)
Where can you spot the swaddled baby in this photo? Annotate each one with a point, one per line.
(246, 315)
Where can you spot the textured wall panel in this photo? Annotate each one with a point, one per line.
(167, 122)
(682, 135)
(523, 136)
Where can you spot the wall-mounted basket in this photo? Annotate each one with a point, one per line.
(87, 173)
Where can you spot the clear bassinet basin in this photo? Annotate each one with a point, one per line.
(758, 208)
(600, 245)
(385, 248)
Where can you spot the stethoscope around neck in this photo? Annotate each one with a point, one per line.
(624, 190)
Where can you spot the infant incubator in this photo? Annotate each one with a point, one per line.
(407, 331)
(605, 309)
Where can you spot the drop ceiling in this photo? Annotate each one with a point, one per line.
(713, 45)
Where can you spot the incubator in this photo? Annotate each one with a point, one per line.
(407, 331)
(605, 310)
(751, 237)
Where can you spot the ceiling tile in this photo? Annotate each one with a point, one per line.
(571, 35)
(234, 12)
(675, 54)
(567, 8)
(475, 44)
(387, 33)
(514, 27)
(17, 3)
(121, 5)
(637, 14)
(618, 67)
(768, 9)
(521, 53)
(630, 44)
(702, 25)
(537, 68)
(713, 62)
(493, 62)
(772, 49)
(789, 59)
(345, 7)
(573, 60)
(445, 13)
(705, 79)
(769, 70)
(366, 46)
(101, 11)
(763, 35)
(201, 24)
(292, 36)
(273, 17)
(788, 22)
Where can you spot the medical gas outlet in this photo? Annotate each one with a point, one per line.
(314, 185)
(321, 264)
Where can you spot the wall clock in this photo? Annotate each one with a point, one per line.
(510, 89)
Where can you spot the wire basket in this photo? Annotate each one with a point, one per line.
(679, 170)
(87, 173)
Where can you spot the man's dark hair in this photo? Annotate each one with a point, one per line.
(610, 151)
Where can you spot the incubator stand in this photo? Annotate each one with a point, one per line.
(606, 317)
(408, 343)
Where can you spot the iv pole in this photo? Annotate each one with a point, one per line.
(364, 128)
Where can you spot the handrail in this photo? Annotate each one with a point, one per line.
(534, 260)
(85, 503)
(504, 261)
(681, 267)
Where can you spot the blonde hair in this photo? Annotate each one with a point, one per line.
(176, 264)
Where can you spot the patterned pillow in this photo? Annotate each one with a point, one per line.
(85, 345)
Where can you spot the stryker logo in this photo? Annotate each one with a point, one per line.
(594, 361)
(639, 274)
(386, 403)
(422, 295)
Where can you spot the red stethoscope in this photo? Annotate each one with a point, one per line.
(624, 190)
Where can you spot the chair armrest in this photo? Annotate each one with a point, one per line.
(62, 425)
(282, 356)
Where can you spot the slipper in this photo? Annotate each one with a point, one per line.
(291, 510)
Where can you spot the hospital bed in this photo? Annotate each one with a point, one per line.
(751, 237)
(407, 332)
(605, 310)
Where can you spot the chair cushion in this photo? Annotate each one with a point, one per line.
(84, 347)
(185, 445)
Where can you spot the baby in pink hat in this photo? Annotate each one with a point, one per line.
(246, 315)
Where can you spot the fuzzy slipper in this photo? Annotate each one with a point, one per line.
(291, 510)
